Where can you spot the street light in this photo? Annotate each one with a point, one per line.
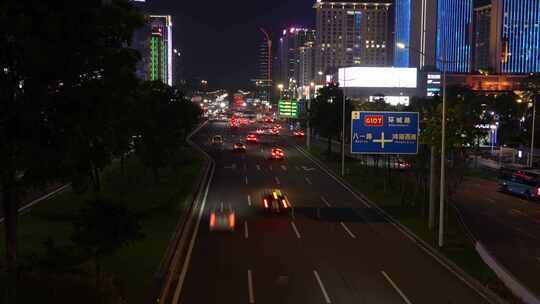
(308, 139)
(444, 61)
(280, 88)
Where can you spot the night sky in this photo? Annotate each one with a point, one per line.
(220, 39)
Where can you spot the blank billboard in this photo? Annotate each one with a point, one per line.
(374, 77)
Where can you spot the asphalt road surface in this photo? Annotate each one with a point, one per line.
(508, 226)
(332, 249)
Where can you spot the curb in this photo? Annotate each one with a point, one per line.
(512, 283)
(167, 268)
(471, 282)
(38, 200)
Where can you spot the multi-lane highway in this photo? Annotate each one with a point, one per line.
(330, 247)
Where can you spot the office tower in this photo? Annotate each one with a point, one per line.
(264, 81)
(291, 42)
(353, 33)
(416, 28)
(482, 34)
(160, 49)
(306, 64)
(454, 31)
(515, 37)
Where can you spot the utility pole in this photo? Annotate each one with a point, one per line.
(443, 156)
(432, 185)
(531, 154)
(343, 124)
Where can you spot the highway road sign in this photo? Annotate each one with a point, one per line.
(288, 108)
(385, 132)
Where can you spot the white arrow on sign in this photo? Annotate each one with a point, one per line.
(307, 169)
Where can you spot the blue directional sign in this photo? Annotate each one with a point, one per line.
(385, 133)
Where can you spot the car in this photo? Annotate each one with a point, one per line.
(259, 131)
(251, 138)
(239, 147)
(277, 153)
(274, 131)
(217, 140)
(222, 219)
(299, 133)
(274, 201)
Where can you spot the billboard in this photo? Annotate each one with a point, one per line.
(385, 132)
(377, 77)
(288, 108)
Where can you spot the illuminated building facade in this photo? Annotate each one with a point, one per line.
(292, 45)
(353, 34)
(454, 31)
(415, 27)
(160, 65)
(516, 37)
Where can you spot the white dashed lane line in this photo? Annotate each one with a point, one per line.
(296, 230)
(277, 180)
(308, 181)
(347, 230)
(396, 288)
(321, 285)
(325, 201)
(249, 200)
(251, 294)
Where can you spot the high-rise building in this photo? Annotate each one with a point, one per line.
(264, 82)
(291, 44)
(482, 34)
(515, 36)
(160, 65)
(454, 31)
(353, 33)
(416, 28)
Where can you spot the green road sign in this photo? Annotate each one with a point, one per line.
(288, 108)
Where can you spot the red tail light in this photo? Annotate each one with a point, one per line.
(212, 220)
(231, 220)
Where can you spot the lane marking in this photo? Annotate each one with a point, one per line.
(246, 231)
(321, 285)
(348, 230)
(277, 180)
(396, 288)
(296, 230)
(271, 168)
(192, 242)
(516, 212)
(325, 201)
(491, 200)
(249, 200)
(308, 181)
(283, 167)
(250, 288)
(247, 180)
(258, 167)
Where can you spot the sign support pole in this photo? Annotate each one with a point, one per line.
(443, 156)
(343, 127)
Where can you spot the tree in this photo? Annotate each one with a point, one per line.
(51, 56)
(102, 228)
(326, 114)
(162, 124)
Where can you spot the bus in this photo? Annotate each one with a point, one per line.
(521, 182)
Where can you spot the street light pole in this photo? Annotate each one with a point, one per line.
(343, 125)
(531, 153)
(443, 155)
